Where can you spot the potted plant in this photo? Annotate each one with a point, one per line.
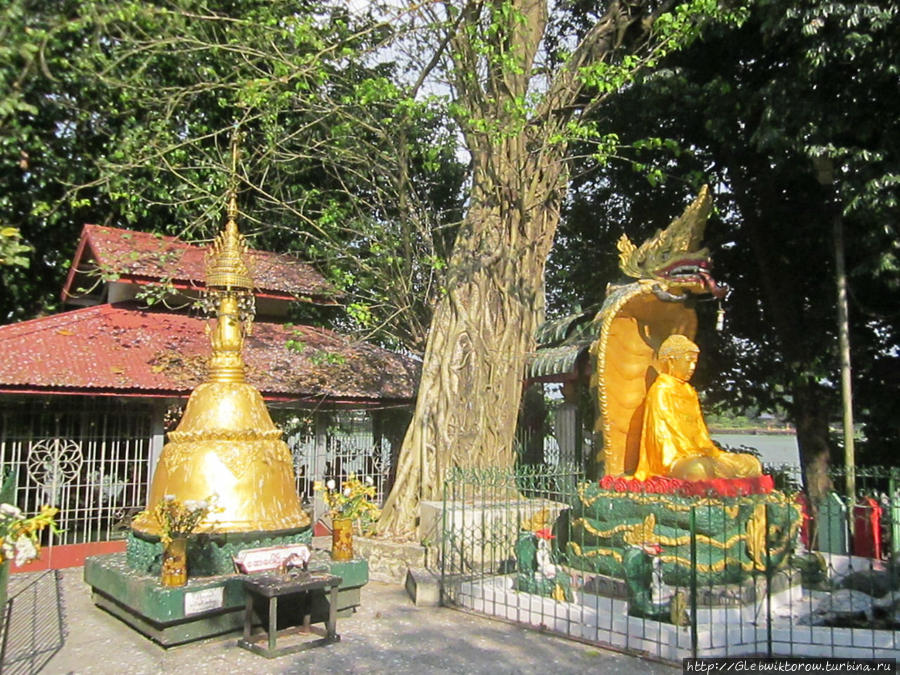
(177, 521)
(347, 504)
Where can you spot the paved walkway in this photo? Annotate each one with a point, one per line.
(388, 634)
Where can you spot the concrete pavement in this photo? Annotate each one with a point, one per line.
(56, 629)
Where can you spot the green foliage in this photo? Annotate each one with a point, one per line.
(122, 113)
(12, 251)
(750, 109)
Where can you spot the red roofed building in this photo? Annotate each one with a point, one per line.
(86, 395)
(123, 262)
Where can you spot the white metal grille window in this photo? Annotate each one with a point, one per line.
(87, 457)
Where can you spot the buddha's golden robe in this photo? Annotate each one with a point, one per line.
(675, 440)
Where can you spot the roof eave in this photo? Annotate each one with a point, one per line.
(65, 294)
(188, 285)
(273, 397)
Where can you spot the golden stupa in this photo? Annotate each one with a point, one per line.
(226, 444)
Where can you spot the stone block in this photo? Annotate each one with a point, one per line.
(389, 560)
(481, 535)
(423, 587)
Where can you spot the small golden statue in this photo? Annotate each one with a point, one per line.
(674, 439)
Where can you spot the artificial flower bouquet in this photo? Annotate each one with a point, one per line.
(179, 519)
(351, 500)
(20, 536)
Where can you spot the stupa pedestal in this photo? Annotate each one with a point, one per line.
(207, 606)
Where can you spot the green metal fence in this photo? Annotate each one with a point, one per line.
(675, 576)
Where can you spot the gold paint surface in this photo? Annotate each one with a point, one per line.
(634, 321)
(593, 553)
(674, 438)
(227, 444)
(642, 533)
(226, 265)
(682, 236)
(624, 356)
(756, 536)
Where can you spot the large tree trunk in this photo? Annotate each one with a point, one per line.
(784, 308)
(810, 418)
(483, 327)
(481, 332)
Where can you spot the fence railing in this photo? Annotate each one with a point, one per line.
(674, 576)
(89, 458)
(93, 458)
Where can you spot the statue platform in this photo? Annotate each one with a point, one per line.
(205, 607)
(729, 620)
(719, 539)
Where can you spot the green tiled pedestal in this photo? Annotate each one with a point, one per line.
(159, 612)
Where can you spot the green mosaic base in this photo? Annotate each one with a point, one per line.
(208, 555)
(158, 612)
(601, 521)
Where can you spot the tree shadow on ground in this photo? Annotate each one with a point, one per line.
(34, 630)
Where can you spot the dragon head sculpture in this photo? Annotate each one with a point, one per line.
(673, 257)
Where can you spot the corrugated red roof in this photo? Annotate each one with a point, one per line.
(141, 256)
(122, 349)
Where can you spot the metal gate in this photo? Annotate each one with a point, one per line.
(87, 457)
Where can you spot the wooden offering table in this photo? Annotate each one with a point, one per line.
(273, 586)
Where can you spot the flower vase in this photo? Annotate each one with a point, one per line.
(342, 539)
(174, 563)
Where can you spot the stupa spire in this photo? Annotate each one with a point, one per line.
(229, 286)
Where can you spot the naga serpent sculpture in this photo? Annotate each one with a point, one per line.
(668, 270)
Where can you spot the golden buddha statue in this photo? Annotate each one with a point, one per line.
(675, 440)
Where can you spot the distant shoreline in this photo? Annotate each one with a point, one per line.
(753, 431)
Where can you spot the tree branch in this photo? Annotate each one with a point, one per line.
(605, 36)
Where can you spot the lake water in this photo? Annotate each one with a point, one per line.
(773, 448)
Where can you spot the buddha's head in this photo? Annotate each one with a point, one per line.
(678, 357)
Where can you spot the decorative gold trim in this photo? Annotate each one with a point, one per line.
(645, 263)
(605, 534)
(656, 537)
(226, 266)
(595, 552)
(642, 498)
(683, 235)
(776, 497)
(756, 536)
(714, 567)
(597, 351)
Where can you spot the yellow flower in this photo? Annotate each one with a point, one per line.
(350, 500)
(180, 518)
(20, 536)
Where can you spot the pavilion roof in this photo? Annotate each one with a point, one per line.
(142, 257)
(122, 349)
